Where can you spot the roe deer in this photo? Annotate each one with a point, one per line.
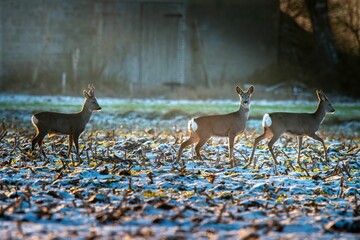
(228, 125)
(298, 124)
(71, 124)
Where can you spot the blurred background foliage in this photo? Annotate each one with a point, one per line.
(320, 44)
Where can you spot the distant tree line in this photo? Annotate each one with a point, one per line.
(319, 45)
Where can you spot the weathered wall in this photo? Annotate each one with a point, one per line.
(238, 38)
(135, 43)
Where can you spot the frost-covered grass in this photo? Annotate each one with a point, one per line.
(126, 183)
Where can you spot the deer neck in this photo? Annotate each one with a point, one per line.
(320, 113)
(85, 113)
(244, 111)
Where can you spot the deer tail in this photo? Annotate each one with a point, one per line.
(192, 125)
(34, 120)
(266, 122)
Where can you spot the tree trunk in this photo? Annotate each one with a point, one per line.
(318, 10)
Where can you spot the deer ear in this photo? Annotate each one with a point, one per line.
(86, 94)
(91, 90)
(239, 90)
(251, 89)
(320, 95)
(324, 97)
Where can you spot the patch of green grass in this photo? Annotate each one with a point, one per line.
(343, 112)
(40, 106)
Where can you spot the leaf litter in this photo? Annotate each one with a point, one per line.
(127, 185)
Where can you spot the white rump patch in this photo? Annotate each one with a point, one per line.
(266, 120)
(34, 120)
(192, 125)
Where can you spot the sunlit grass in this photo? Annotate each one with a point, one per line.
(196, 108)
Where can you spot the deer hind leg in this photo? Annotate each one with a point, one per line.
(270, 146)
(34, 141)
(193, 138)
(257, 140)
(198, 146)
(39, 140)
(316, 137)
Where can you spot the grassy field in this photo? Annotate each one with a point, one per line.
(344, 111)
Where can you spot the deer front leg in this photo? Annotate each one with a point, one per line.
(231, 150)
(71, 140)
(76, 141)
(316, 137)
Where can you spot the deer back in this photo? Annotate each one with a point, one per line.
(221, 125)
(60, 123)
(293, 123)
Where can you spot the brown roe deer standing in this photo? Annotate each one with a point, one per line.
(298, 124)
(228, 125)
(72, 124)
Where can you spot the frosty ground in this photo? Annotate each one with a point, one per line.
(127, 184)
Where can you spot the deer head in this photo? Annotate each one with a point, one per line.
(245, 96)
(325, 102)
(90, 101)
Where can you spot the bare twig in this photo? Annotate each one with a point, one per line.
(341, 190)
(15, 145)
(150, 175)
(3, 131)
(221, 211)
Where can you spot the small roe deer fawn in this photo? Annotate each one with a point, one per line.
(228, 125)
(298, 124)
(72, 124)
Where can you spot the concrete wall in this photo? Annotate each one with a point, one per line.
(136, 43)
(238, 38)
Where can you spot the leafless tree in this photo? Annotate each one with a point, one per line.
(350, 21)
(318, 10)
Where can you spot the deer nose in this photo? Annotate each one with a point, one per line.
(246, 102)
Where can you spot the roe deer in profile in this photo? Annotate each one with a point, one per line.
(298, 124)
(71, 124)
(228, 125)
